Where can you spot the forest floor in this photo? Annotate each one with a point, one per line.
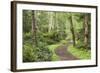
(62, 52)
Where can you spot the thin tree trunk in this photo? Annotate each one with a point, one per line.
(50, 26)
(72, 29)
(34, 28)
(85, 30)
(56, 22)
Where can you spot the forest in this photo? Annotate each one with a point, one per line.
(56, 36)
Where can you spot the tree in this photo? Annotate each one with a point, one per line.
(72, 29)
(86, 31)
(50, 19)
(34, 28)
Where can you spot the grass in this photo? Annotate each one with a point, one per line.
(52, 48)
(80, 53)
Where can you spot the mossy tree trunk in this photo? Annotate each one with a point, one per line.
(72, 29)
(34, 28)
(86, 30)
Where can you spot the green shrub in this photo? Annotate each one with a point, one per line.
(35, 54)
(28, 54)
(79, 44)
(27, 38)
(43, 54)
(81, 53)
(64, 42)
(27, 35)
(52, 48)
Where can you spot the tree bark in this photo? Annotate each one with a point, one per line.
(72, 29)
(34, 28)
(50, 26)
(86, 30)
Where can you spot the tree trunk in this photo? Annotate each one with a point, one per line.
(56, 24)
(72, 29)
(34, 28)
(50, 26)
(86, 30)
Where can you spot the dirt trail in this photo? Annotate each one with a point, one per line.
(62, 52)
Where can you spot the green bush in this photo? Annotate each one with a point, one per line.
(49, 38)
(79, 44)
(81, 53)
(52, 37)
(27, 35)
(52, 48)
(64, 42)
(36, 54)
(28, 54)
(27, 38)
(43, 54)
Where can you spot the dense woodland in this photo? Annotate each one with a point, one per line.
(44, 31)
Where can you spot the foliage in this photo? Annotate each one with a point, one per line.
(79, 44)
(64, 42)
(35, 54)
(28, 54)
(43, 31)
(80, 53)
(27, 38)
(53, 48)
(27, 20)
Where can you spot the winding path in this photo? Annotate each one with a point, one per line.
(62, 52)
